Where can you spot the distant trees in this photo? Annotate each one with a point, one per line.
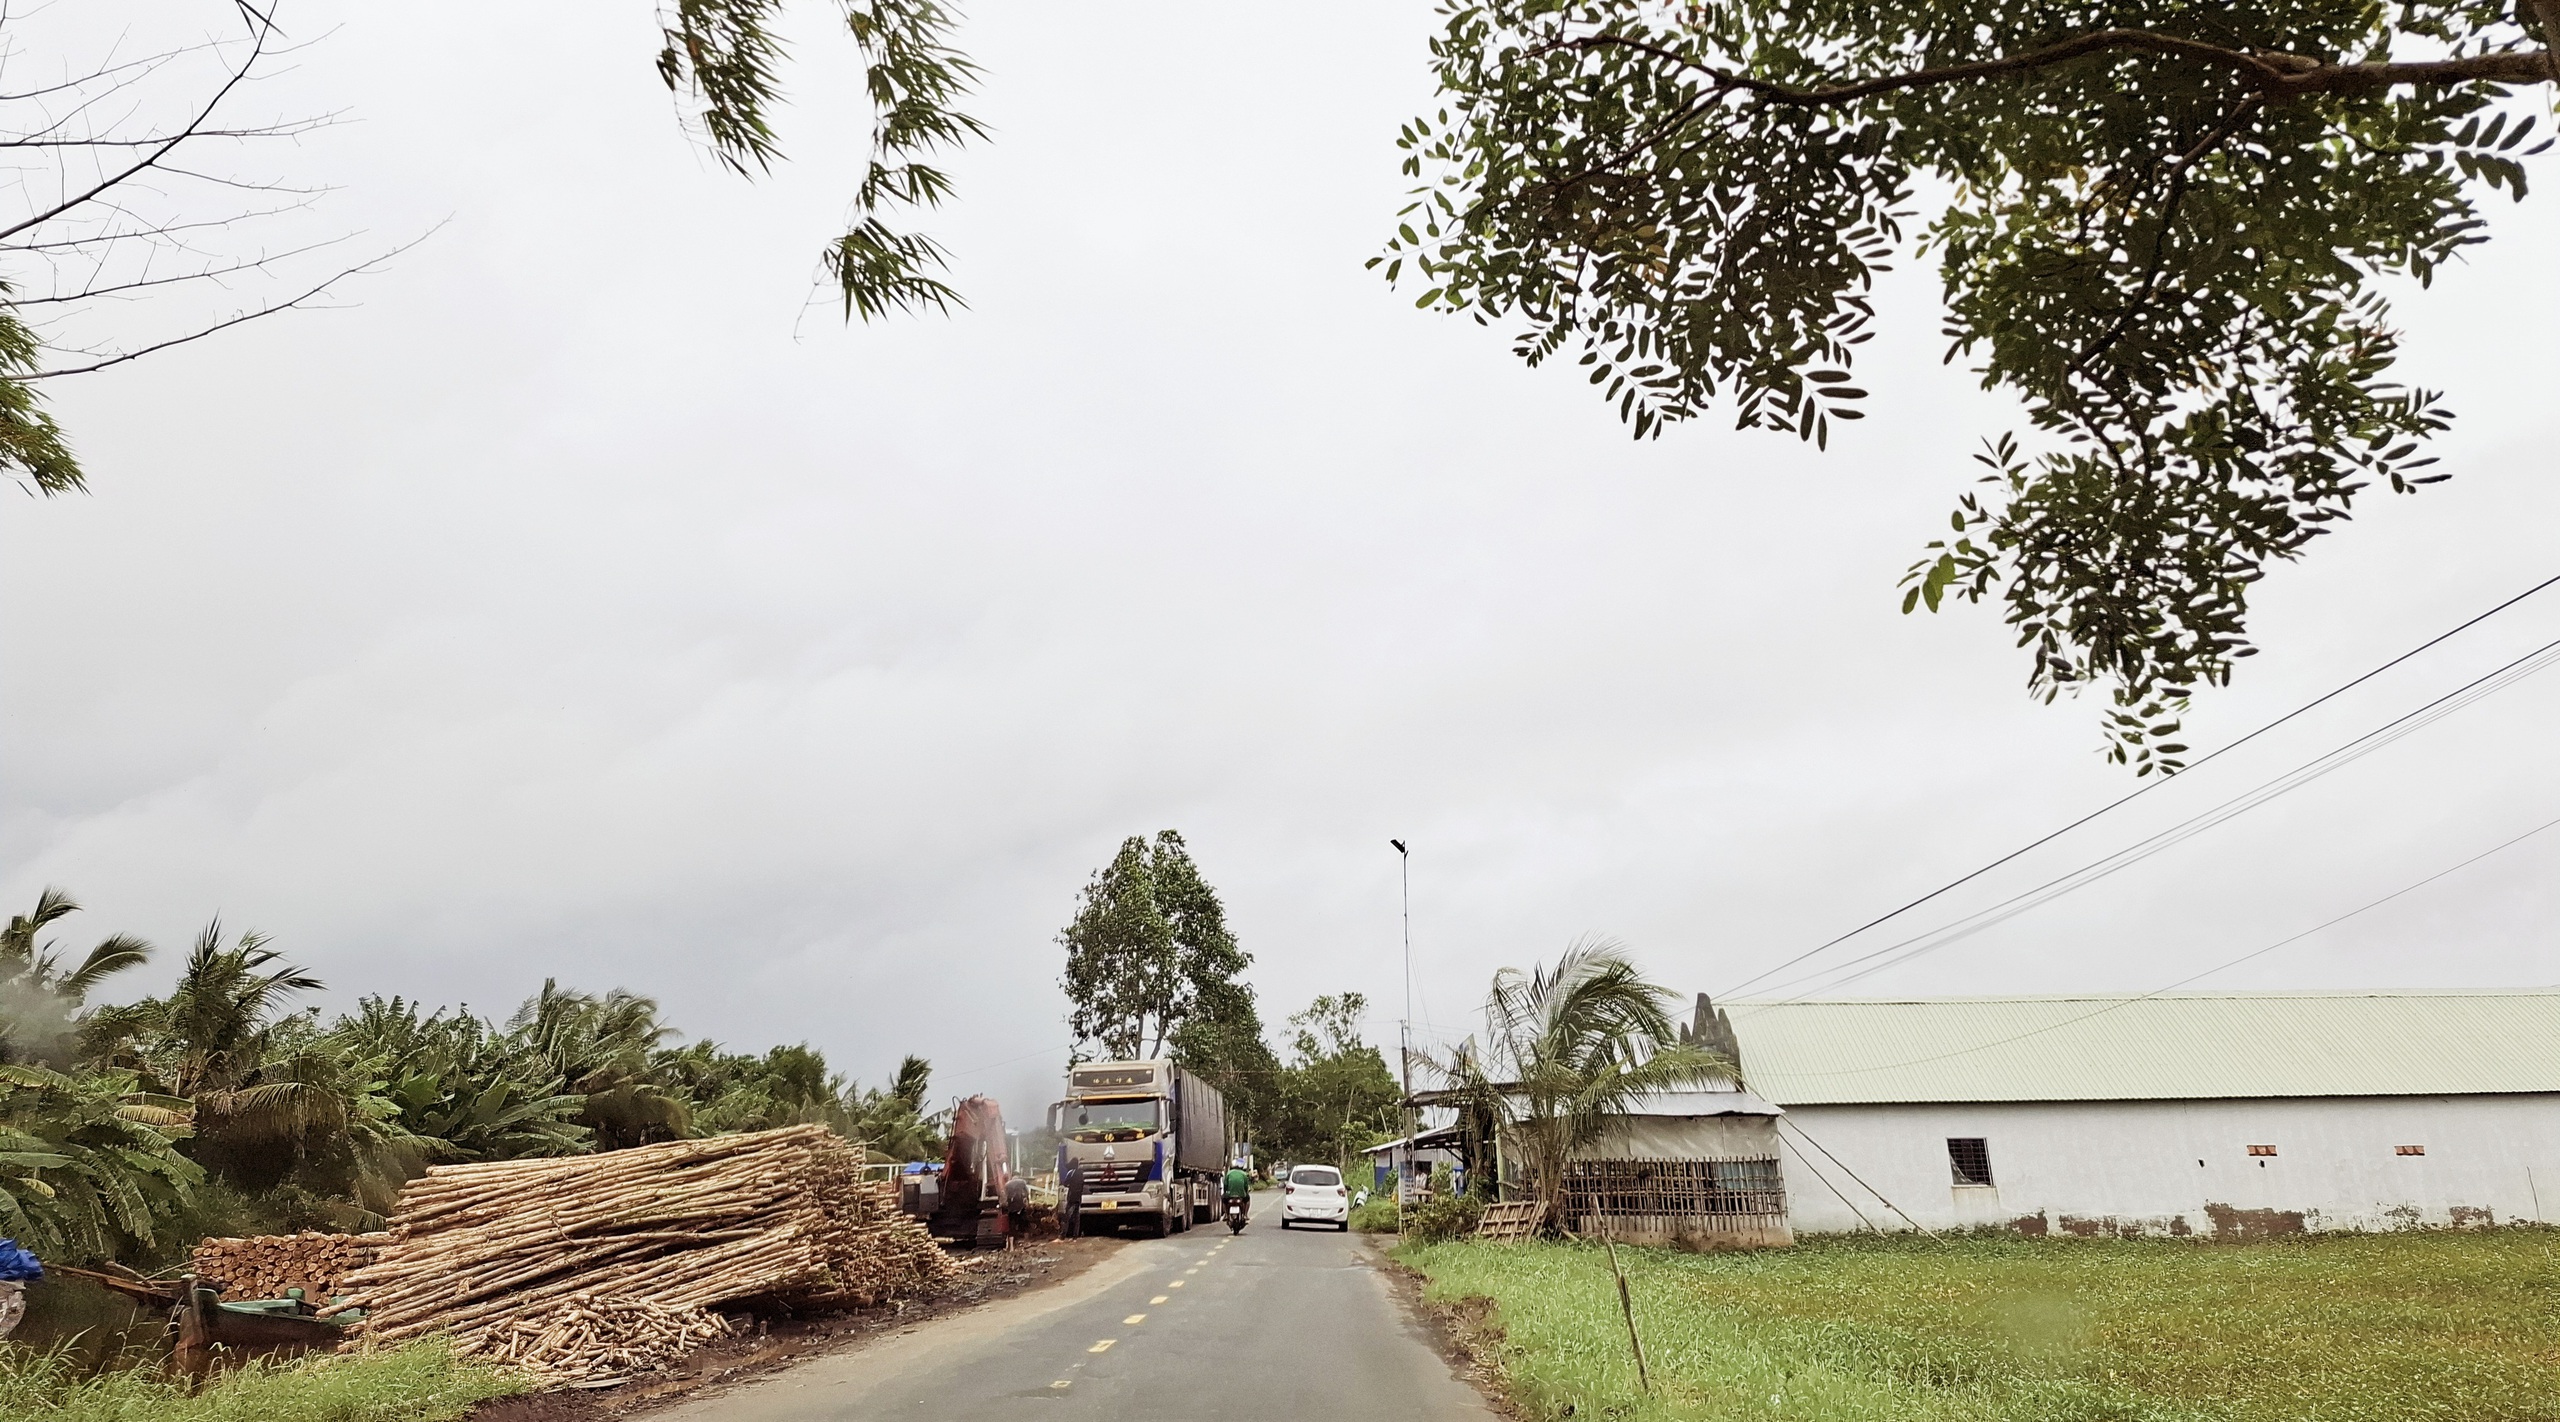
(1336, 1095)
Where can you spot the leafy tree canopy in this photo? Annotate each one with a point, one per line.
(2161, 226)
(1336, 1096)
(1150, 961)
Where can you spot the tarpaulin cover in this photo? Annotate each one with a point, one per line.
(17, 1265)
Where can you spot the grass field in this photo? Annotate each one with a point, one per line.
(2340, 1328)
(420, 1383)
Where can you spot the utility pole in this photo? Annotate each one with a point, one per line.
(1404, 1042)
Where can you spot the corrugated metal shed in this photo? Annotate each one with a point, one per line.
(2167, 1047)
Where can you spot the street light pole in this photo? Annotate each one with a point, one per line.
(1404, 1040)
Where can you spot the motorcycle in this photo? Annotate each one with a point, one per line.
(1235, 1214)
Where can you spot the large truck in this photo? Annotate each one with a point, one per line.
(1150, 1140)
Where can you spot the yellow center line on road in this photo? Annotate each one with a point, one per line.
(1062, 1382)
(1157, 1299)
(1102, 1347)
(1135, 1318)
(1175, 1284)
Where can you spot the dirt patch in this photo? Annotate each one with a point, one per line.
(2246, 1226)
(1462, 1331)
(780, 1340)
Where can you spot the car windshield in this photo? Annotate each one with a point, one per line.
(1117, 1120)
(1315, 1175)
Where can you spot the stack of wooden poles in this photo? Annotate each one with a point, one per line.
(264, 1266)
(774, 1218)
(591, 1340)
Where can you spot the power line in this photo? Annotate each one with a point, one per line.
(2143, 790)
(2223, 967)
(2389, 732)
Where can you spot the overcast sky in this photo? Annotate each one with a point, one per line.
(584, 599)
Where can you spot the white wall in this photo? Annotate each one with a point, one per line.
(2174, 1167)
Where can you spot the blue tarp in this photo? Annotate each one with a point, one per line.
(17, 1265)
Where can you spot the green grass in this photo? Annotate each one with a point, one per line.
(419, 1383)
(2338, 1328)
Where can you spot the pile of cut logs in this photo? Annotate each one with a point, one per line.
(264, 1266)
(590, 1340)
(780, 1218)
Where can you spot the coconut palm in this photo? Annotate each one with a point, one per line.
(1568, 1050)
(39, 996)
(606, 1050)
(272, 1095)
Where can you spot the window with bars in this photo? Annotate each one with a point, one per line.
(1700, 1190)
(1970, 1157)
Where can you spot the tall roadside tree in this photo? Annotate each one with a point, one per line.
(1153, 968)
(1569, 1049)
(2161, 227)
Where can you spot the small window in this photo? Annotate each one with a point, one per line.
(1971, 1159)
(2408, 1150)
(2262, 1150)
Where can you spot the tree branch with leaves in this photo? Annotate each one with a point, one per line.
(2159, 227)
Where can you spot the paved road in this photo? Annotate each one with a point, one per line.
(1202, 1327)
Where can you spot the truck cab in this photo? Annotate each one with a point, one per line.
(1149, 1139)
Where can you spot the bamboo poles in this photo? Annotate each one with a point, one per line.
(487, 1251)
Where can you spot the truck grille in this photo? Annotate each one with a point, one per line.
(1115, 1174)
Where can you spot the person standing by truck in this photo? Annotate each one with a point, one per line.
(1071, 1201)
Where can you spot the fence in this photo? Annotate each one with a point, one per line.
(1737, 1202)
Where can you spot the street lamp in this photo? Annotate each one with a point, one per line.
(1404, 1040)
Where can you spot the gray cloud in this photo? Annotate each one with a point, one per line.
(584, 603)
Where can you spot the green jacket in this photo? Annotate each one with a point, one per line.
(1239, 1183)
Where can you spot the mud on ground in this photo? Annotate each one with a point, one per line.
(779, 1340)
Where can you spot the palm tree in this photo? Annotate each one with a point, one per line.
(271, 1093)
(606, 1050)
(1569, 1050)
(39, 996)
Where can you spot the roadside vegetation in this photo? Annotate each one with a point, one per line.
(2340, 1328)
(227, 1106)
(422, 1383)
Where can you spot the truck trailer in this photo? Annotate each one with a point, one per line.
(1150, 1140)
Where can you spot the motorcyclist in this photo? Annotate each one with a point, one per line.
(1239, 1189)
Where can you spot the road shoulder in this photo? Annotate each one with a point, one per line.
(1016, 1286)
(1462, 1331)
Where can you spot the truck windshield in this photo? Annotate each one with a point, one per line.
(1116, 1120)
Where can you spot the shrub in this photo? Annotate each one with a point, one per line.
(1377, 1216)
(1447, 1214)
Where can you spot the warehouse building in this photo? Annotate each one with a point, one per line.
(2237, 1115)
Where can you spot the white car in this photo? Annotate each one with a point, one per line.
(1315, 1194)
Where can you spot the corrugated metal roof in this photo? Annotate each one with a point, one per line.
(1702, 1103)
(2167, 1047)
